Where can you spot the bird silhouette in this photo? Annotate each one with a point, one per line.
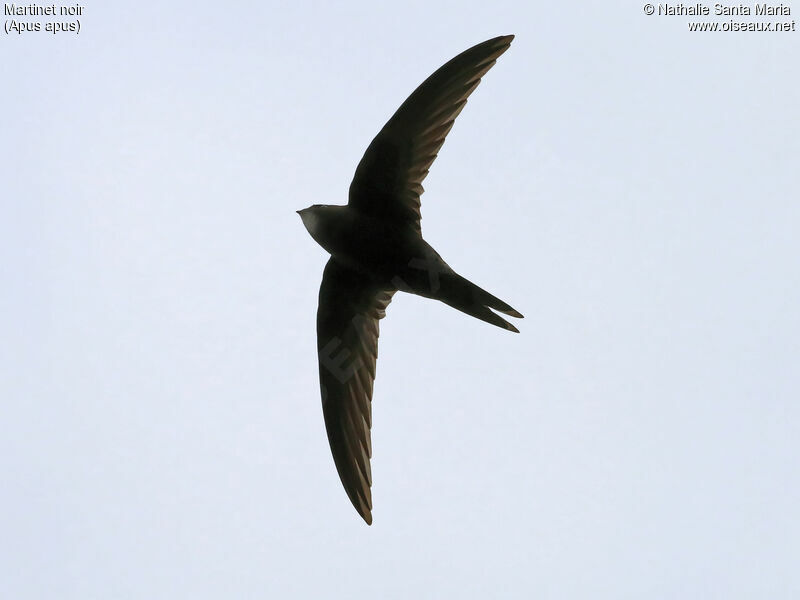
(376, 248)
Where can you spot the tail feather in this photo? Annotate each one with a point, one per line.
(467, 297)
(485, 314)
(482, 296)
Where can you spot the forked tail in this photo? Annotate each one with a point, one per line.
(467, 297)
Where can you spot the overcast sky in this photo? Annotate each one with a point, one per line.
(629, 186)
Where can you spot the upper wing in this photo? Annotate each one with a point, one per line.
(347, 343)
(388, 180)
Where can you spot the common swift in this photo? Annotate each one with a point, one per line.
(376, 248)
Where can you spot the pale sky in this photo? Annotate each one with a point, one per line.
(630, 186)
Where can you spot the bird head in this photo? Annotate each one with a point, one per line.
(311, 217)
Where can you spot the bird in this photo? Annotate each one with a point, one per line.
(376, 247)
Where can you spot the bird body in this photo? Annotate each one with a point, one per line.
(395, 258)
(373, 246)
(377, 249)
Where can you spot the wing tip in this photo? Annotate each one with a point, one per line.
(496, 46)
(504, 40)
(367, 516)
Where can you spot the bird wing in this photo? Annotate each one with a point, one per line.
(388, 180)
(350, 307)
